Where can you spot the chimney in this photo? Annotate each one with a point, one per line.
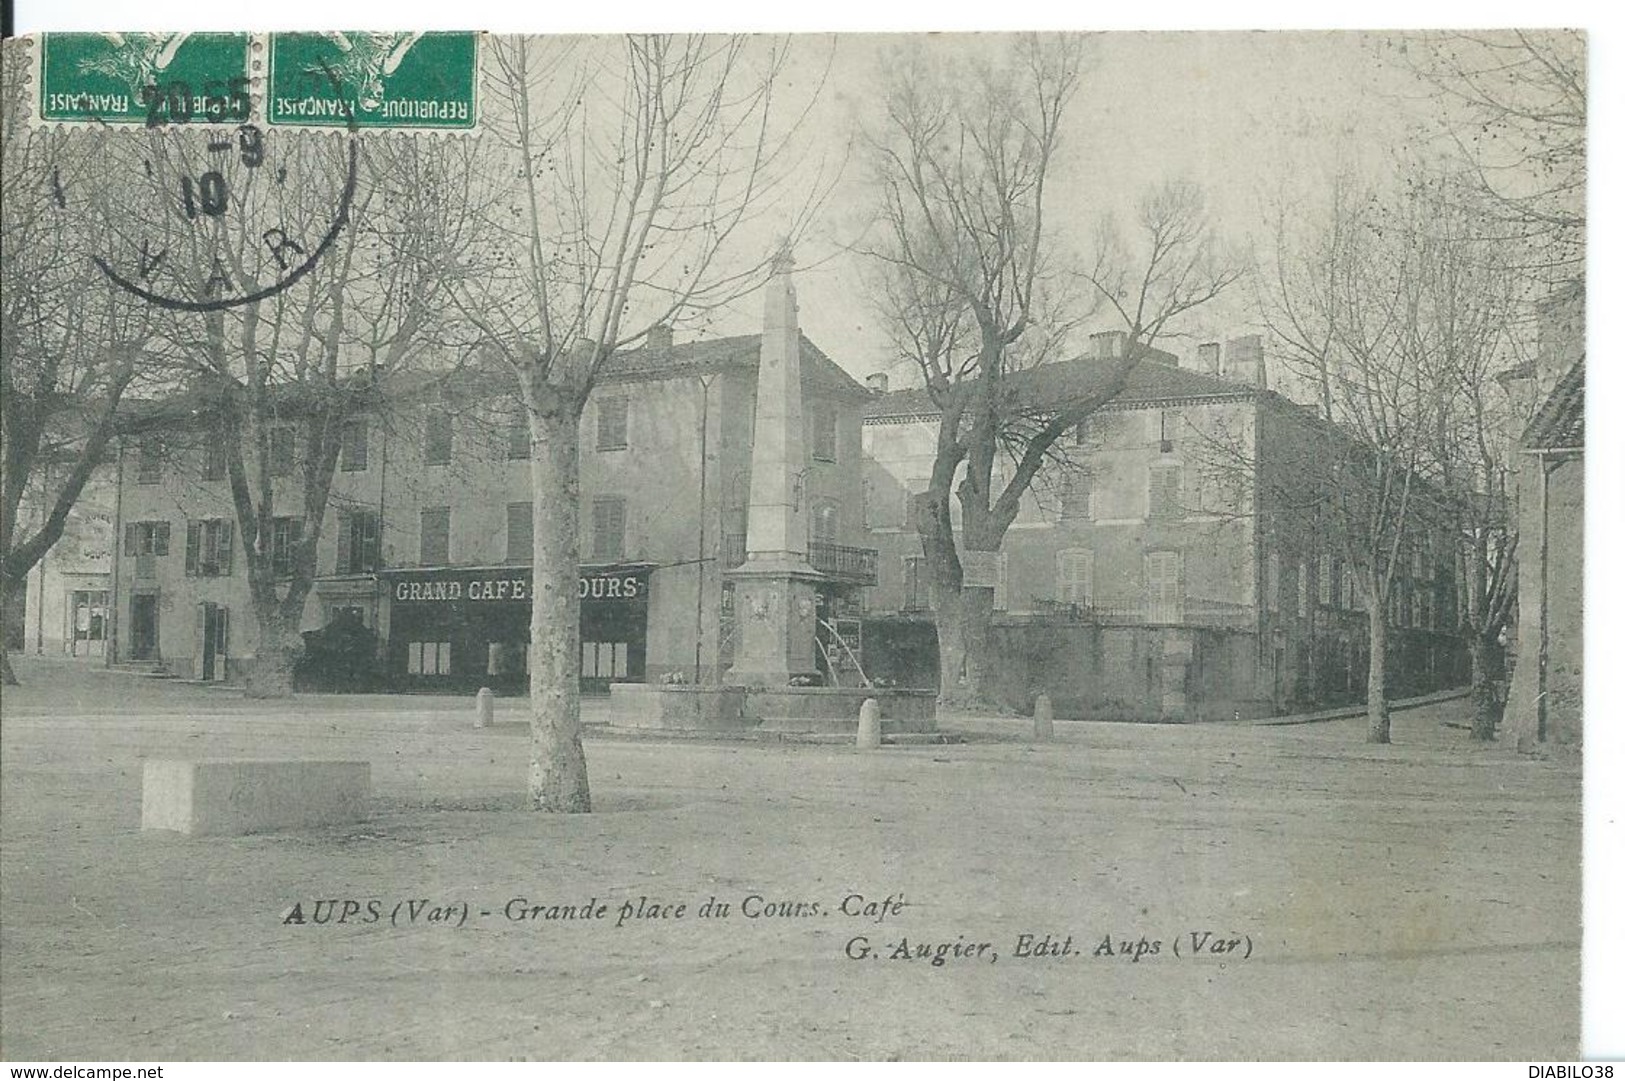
(877, 382)
(658, 340)
(1244, 360)
(1108, 344)
(1207, 358)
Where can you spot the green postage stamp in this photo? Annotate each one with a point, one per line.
(148, 79)
(373, 80)
(339, 81)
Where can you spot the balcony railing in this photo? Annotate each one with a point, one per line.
(844, 563)
(860, 566)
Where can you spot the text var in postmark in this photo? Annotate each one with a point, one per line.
(374, 81)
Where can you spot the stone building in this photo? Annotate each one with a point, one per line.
(426, 539)
(1546, 696)
(66, 599)
(1164, 570)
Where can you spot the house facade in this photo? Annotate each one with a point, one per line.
(66, 609)
(1164, 567)
(426, 539)
(1544, 704)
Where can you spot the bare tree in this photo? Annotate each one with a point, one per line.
(1519, 124)
(1353, 313)
(71, 344)
(627, 175)
(973, 296)
(1473, 297)
(281, 380)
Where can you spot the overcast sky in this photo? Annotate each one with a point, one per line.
(1256, 118)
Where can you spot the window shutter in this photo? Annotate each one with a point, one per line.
(612, 414)
(281, 451)
(518, 435)
(345, 543)
(434, 540)
(194, 543)
(436, 436)
(129, 538)
(521, 537)
(223, 550)
(608, 528)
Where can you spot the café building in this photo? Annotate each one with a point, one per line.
(466, 625)
(426, 539)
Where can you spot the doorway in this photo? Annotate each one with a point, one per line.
(144, 627)
(212, 641)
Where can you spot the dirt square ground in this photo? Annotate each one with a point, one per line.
(1414, 901)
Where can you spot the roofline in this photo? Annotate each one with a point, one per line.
(1113, 406)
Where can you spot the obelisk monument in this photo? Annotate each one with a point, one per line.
(776, 609)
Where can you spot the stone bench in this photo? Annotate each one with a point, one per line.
(236, 796)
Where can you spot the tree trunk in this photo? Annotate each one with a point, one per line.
(13, 595)
(271, 674)
(1487, 705)
(1376, 683)
(964, 645)
(558, 767)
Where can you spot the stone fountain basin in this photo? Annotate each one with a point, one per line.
(784, 709)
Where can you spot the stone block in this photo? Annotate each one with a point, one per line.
(869, 725)
(237, 796)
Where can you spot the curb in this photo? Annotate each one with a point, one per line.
(1358, 710)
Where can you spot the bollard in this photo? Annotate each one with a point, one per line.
(483, 707)
(869, 725)
(1043, 719)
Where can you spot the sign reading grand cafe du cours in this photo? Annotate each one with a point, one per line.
(447, 587)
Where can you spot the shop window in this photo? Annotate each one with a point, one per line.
(353, 446)
(1075, 576)
(434, 536)
(612, 423)
(608, 528)
(521, 539)
(824, 425)
(436, 436)
(149, 461)
(604, 660)
(286, 534)
(428, 658)
(358, 542)
(1164, 588)
(282, 450)
(208, 548)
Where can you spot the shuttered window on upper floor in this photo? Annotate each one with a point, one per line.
(434, 536)
(612, 414)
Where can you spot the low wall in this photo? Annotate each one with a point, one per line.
(792, 709)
